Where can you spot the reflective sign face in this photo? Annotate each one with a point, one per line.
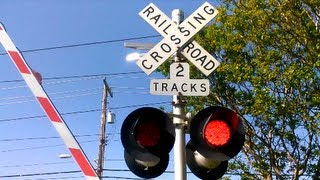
(176, 37)
(188, 87)
(179, 83)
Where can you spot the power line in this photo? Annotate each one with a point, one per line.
(72, 96)
(56, 173)
(41, 147)
(77, 171)
(55, 98)
(84, 44)
(67, 177)
(46, 138)
(94, 76)
(112, 170)
(39, 174)
(84, 92)
(118, 177)
(85, 111)
(72, 79)
(68, 172)
(53, 93)
(52, 163)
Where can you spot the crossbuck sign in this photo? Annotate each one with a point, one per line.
(178, 37)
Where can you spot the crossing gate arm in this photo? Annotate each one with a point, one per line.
(46, 104)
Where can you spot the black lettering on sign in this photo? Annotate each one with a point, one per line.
(202, 59)
(195, 53)
(156, 18)
(144, 65)
(193, 88)
(155, 86)
(155, 56)
(174, 87)
(149, 10)
(199, 18)
(164, 87)
(179, 71)
(162, 23)
(188, 47)
(183, 87)
(209, 65)
(192, 25)
(174, 38)
(209, 11)
(165, 47)
(165, 29)
(203, 87)
(184, 31)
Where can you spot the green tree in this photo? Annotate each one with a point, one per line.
(269, 74)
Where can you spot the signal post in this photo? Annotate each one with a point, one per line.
(178, 107)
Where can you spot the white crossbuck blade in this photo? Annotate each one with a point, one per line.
(176, 37)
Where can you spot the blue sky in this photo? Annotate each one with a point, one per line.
(28, 142)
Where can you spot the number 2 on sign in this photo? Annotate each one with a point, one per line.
(179, 70)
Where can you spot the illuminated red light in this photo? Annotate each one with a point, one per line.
(217, 133)
(148, 134)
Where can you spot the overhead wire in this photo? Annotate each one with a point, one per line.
(66, 81)
(46, 138)
(39, 174)
(66, 177)
(77, 171)
(55, 98)
(21, 98)
(91, 90)
(85, 111)
(41, 147)
(53, 163)
(72, 96)
(84, 44)
(112, 170)
(120, 74)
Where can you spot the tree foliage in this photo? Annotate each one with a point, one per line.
(269, 74)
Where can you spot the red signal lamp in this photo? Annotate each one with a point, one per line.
(147, 135)
(217, 130)
(217, 133)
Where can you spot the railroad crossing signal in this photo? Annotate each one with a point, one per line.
(147, 134)
(177, 38)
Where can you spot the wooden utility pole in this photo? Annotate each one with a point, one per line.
(102, 144)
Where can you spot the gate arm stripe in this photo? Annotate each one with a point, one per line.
(48, 106)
